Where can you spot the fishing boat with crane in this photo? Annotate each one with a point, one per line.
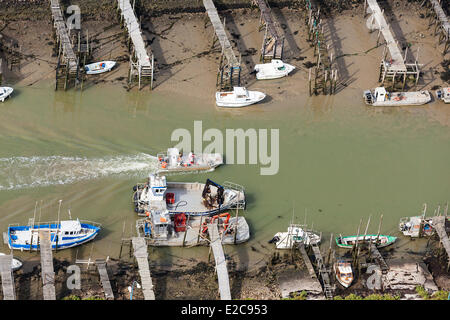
(191, 198)
(175, 161)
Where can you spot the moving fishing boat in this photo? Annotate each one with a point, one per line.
(344, 273)
(162, 229)
(379, 240)
(239, 97)
(443, 94)
(273, 70)
(5, 92)
(295, 234)
(191, 198)
(379, 97)
(63, 234)
(174, 161)
(16, 264)
(99, 67)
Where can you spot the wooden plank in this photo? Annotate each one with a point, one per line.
(7, 277)
(266, 14)
(439, 226)
(47, 271)
(141, 254)
(307, 261)
(441, 16)
(101, 266)
(221, 264)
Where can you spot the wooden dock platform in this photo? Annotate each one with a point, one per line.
(101, 266)
(439, 224)
(442, 22)
(272, 47)
(47, 271)
(323, 271)
(221, 264)
(6, 274)
(141, 254)
(307, 261)
(378, 258)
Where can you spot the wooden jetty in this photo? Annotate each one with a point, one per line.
(6, 274)
(324, 273)
(101, 266)
(396, 66)
(376, 255)
(47, 271)
(309, 266)
(221, 264)
(67, 70)
(1, 71)
(141, 65)
(440, 20)
(272, 47)
(229, 74)
(439, 224)
(141, 255)
(322, 77)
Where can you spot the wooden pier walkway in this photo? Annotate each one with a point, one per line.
(63, 36)
(378, 258)
(377, 21)
(444, 24)
(47, 271)
(101, 266)
(6, 274)
(141, 254)
(323, 271)
(221, 264)
(307, 261)
(272, 47)
(439, 224)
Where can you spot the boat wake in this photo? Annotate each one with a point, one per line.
(31, 172)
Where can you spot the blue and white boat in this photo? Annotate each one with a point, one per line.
(99, 67)
(63, 234)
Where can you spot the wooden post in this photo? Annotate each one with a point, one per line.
(185, 232)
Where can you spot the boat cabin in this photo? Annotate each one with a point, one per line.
(380, 94)
(444, 94)
(157, 187)
(240, 92)
(160, 225)
(70, 227)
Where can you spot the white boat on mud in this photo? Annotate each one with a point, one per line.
(239, 97)
(191, 198)
(344, 272)
(16, 264)
(163, 229)
(443, 94)
(273, 70)
(5, 92)
(379, 97)
(63, 234)
(174, 161)
(294, 235)
(99, 67)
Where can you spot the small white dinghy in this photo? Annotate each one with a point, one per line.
(174, 161)
(295, 234)
(99, 67)
(5, 92)
(273, 70)
(344, 272)
(443, 94)
(379, 97)
(16, 264)
(239, 97)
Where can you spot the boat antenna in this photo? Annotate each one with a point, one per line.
(40, 212)
(306, 211)
(446, 209)
(424, 210)
(379, 229)
(34, 215)
(70, 216)
(59, 210)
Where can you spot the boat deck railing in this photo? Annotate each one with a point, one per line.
(47, 224)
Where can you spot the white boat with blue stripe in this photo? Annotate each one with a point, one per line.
(64, 234)
(99, 67)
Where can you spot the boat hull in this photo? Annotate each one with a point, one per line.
(348, 242)
(268, 72)
(399, 99)
(254, 97)
(99, 67)
(6, 93)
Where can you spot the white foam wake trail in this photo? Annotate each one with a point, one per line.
(30, 172)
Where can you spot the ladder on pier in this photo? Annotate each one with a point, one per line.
(439, 224)
(376, 255)
(272, 47)
(47, 271)
(229, 74)
(324, 273)
(141, 255)
(7, 277)
(221, 264)
(101, 266)
(441, 23)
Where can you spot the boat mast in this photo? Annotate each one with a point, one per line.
(57, 226)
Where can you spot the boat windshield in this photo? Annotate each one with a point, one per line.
(281, 68)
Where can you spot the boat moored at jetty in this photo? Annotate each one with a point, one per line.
(443, 94)
(379, 240)
(379, 97)
(191, 198)
(416, 227)
(239, 97)
(344, 272)
(273, 70)
(99, 67)
(5, 92)
(16, 264)
(174, 161)
(63, 234)
(294, 235)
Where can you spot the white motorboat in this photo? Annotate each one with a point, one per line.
(273, 70)
(174, 161)
(379, 97)
(294, 235)
(191, 198)
(99, 67)
(443, 94)
(239, 97)
(16, 264)
(5, 92)
(344, 272)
